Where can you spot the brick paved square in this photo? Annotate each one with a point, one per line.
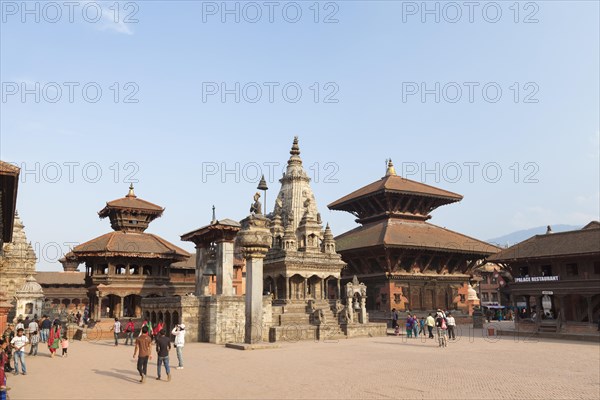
(371, 368)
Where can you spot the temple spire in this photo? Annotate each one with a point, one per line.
(295, 151)
(131, 192)
(390, 168)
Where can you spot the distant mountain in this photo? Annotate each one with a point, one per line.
(519, 236)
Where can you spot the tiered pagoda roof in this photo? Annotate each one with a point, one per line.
(129, 217)
(393, 214)
(394, 196)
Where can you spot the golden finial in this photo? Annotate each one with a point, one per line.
(131, 193)
(390, 168)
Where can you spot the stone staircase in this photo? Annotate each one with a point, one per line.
(296, 320)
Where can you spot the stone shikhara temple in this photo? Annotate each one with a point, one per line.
(278, 275)
(300, 275)
(16, 264)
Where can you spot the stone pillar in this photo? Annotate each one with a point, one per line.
(202, 282)
(121, 310)
(225, 268)
(363, 311)
(287, 288)
(324, 291)
(305, 288)
(590, 310)
(99, 306)
(275, 289)
(255, 239)
(339, 290)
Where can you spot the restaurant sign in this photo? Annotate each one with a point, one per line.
(536, 279)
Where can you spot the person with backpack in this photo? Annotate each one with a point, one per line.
(409, 327)
(442, 328)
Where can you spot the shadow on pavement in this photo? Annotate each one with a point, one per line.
(126, 371)
(115, 375)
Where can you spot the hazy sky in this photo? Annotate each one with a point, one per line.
(496, 101)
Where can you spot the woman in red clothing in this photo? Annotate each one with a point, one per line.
(54, 338)
(157, 329)
(3, 360)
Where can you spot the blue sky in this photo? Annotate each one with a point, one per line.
(177, 139)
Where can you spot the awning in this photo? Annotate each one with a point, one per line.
(494, 307)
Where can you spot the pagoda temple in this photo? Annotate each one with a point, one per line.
(406, 262)
(127, 264)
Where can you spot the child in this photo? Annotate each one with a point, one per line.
(65, 346)
(35, 339)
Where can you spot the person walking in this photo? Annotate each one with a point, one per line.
(46, 325)
(54, 338)
(35, 340)
(64, 344)
(415, 326)
(129, 330)
(147, 324)
(18, 343)
(395, 325)
(163, 345)
(157, 329)
(116, 328)
(422, 326)
(409, 322)
(142, 350)
(179, 333)
(451, 326)
(430, 324)
(442, 327)
(31, 328)
(20, 325)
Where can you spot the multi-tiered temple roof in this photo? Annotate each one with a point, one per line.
(393, 212)
(129, 217)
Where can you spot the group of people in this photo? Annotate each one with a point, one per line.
(16, 338)
(143, 343)
(444, 323)
(143, 350)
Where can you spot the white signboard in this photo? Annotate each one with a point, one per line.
(547, 292)
(536, 279)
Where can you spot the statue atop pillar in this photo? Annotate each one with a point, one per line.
(256, 207)
(255, 240)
